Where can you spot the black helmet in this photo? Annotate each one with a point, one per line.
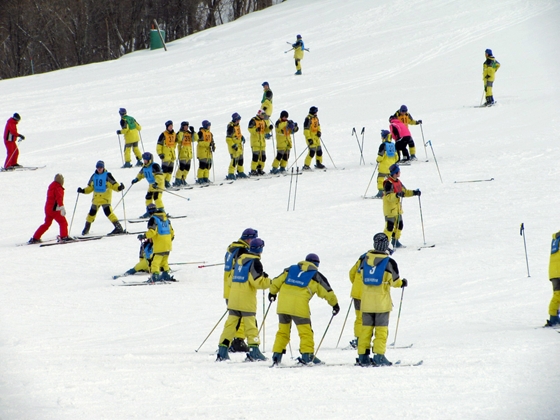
(284, 114)
(313, 258)
(151, 208)
(147, 156)
(168, 123)
(184, 123)
(256, 246)
(313, 110)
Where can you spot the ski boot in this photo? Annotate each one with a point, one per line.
(319, 165)
(298, 73)
(354, 343)
(307, 358)
(254, 354)
(139, 162)
(231, 177)
(553, 322)
(164, 276)
(177, 183)
(413, 157)
(260, 172)
(130, 272)
(282, 170)
(274, 171)
(253, 173)
(65, 239)
(379, 194)
(86, 229)
(380, 360)
(276, 358)
(127, 165)
(364, 360)
(118, 229)
(222, 353)
(305, 168)
(34, 241)
(238, 346)
(396, 243)
(241, 175)
(167, 184)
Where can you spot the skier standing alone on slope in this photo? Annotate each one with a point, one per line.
(10, 141)
(554, 276)
(489, 69)
(298, 53)
(130, 129)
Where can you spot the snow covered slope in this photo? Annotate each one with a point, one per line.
(73, 345)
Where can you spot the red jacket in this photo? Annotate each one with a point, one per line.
(55, 197)
(10, 132)
(398, 129)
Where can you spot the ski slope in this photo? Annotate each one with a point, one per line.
(72, 345)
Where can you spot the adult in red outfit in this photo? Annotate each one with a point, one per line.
(54, 210)
(10, 140)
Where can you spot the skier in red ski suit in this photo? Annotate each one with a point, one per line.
(54, 210)
(10, 140)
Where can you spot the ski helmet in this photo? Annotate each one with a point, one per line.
(298, 37)
(151, 208)
(184, 124)
(122, 111)
(384, 134)
(380, 242)
(100, 164)
(236, 117)
(168, 123)
(249, 234)
(403, 109)
(284, 114)
(313, 110)
(394, 169)
(16, 117)
(147, 156)
(265, 84)
(206, 124)
(256, 246)
(313, 258)
(488, 52)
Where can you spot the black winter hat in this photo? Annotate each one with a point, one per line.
(16, 117)
(381, 242)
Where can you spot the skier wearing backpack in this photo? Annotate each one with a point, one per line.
(166, 150)
(185, 138)
(235, 142)
(489, 69)
(297, 285)
(312, 133)
(161, 233)
(393, 192)
(386, 156)
(298, 48)
(156, 182)
(377, 273)
(284, 130)
(259, 127)
(102, 184)
(130, 129)
(205, 152)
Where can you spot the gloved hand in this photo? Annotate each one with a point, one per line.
(155, 186)
(267, 136)
(258, 130)
(487, 76)
(400, 194)
(318, 134)
(134, 181)
(419, 122)
(121, 187)
(336, 309)
(417, 192)
(310, 141)
(271, 297)
(404, 283)
(191, 130)
(213, 146)
(242, 139)
(161, 156)
(119, 132)
(62, 210)
(290, 125)
(234, 146)
(265, 274)
(80, 190)
(270, 127)
(141, 237)
(21, 136)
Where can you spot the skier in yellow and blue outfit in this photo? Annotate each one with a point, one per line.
(161, 233)
(156, 182)
(378, 273)
(298, 47)
(297, 285)
(554, 276)
(489, 69)
(130, 129)
(248, 276)
(386, 156)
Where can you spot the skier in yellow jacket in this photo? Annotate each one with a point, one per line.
(266, 101)
(161, 233)
(489, 69)
(297, 285)
(393, 192)
(259, 128)
(284, 130)
(165, 148)
(554, 276)
(234, 251)
(248, 277)
(130, 129)
(102, 184)
(312, 132)
(235, 142)
(204, 152)
(185, 138)
(386, 156)
(156, 182)
(298, 48)
(378, 273)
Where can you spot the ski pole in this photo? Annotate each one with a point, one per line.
(290, 191)
(295, 163)
(424, 141)
(14, 152)
(265, 315)
(120, 148)
(295, 189)
(362, 148)
(398, 319)
(209, 334)
(422, 220)
(327, 150)
(322, 338)
(264, 319)
(122, 198)
(483, 93)
(172, 193)
(290, 347)
(344, 325)
(435, 160)
(210, 265)
(354, 133)
(371, 179)
(294, 144)
(186, 263)
(288, 50)
(522, 233)
(141, 141)
(74, 212)
(124, 210)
